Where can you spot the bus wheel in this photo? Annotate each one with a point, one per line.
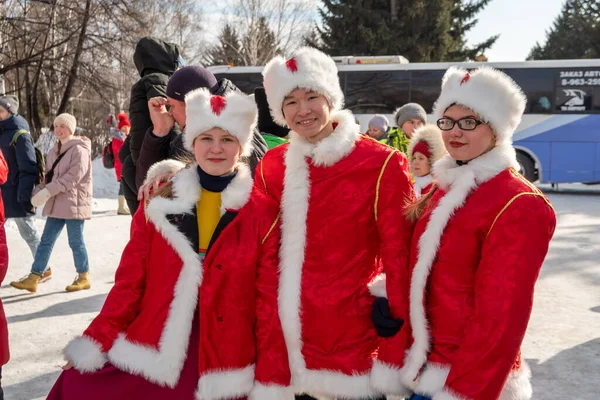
(526, 167)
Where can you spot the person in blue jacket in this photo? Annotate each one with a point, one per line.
(17, 146)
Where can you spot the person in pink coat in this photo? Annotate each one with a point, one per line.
(67, 194)
(481, 236)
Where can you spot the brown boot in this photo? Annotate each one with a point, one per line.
(82, 282)
(30, 282)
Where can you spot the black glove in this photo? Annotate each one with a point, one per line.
(385, 325)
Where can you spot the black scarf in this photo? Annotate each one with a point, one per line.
(215, 183)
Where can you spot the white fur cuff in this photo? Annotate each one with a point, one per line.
(271, 392)
(85, 354)
(387, 379)
(164, 167)
(377, 286)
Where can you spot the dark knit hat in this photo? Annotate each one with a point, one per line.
(10, 103)
(190, 78)
(265, 120)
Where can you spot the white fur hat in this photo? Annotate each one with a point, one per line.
(490, 93)
(431, 135)
(307, 69)
(235, 113)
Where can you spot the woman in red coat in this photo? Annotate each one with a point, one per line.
(118, 139)
(199, 270)
(479, 242)
(4, 350)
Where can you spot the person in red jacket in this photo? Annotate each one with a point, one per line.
(195, 282)
(339, 193)
(480, 239)
(4, 349)
(118, 139)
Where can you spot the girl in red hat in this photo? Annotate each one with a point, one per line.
(480, 239)
(424, 149)
(119, 137)
(198, 273)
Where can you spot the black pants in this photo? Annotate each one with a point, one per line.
(128, 184)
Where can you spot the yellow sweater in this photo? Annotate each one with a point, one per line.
(208, 210)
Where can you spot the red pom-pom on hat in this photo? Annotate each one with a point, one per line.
(123, 120)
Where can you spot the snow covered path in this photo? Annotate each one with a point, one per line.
(562, 345)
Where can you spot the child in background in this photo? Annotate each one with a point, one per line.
(425, 148)
(119, 136)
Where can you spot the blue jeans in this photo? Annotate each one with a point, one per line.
(418, 397)
(28, 232)
(53, 228)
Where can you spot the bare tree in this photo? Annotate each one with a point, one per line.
(269, 27)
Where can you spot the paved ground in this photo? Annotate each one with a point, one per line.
(562, 345)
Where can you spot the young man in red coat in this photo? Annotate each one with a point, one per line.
(4, 351)
(341, 195)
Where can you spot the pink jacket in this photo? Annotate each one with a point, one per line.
(71, 186)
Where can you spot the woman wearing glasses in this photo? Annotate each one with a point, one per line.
(480, 239)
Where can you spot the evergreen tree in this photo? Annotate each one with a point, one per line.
(574, 34)
(422, 30)
(228, 50)
(464, 19)
(355, 27)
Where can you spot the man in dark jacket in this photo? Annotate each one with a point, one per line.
(22, 170)
(155, 61)
(162, 140)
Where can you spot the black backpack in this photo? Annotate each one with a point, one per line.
(108, 156)
(39, 157)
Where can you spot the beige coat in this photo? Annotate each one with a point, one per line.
(71, 186)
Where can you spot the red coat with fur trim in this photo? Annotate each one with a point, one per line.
(145, 323)
(340, 225)
(476, 254)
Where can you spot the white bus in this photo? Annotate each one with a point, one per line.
(557, 141)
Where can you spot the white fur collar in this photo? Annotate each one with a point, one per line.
(446, 171)
(186, 190)
(334, 147)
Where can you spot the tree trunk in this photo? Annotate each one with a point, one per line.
(74, 67)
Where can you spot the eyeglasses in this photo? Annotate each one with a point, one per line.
(466, 124)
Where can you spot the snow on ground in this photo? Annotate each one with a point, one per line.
(562, 345)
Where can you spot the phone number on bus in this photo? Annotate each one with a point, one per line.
(581, 82)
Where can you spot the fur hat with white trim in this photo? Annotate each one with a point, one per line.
(490, 93)
(235, 113)
(308, 69)
(428, 141)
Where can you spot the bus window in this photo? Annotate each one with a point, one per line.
(379, 92)
(246, 82)
(425, 87)
(538, 85)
